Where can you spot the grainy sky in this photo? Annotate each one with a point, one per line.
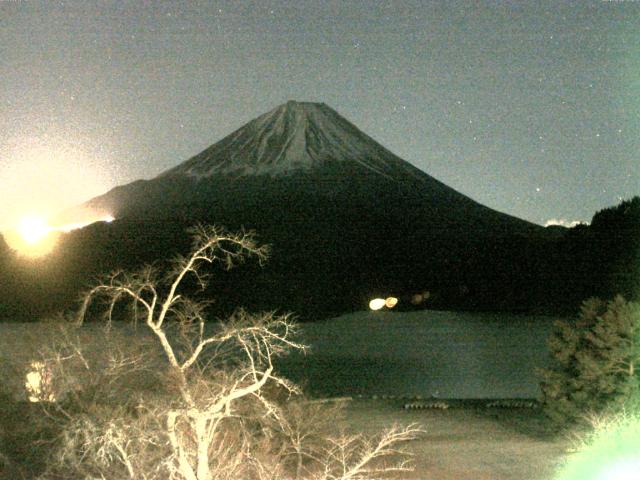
(531, 108)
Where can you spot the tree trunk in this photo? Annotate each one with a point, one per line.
(202, 469)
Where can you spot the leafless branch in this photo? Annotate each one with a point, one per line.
(213, 415)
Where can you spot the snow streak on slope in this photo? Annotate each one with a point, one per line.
(292, 137)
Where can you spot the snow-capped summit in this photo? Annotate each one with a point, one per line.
(292, 137)
(308, 152)
(346, 218)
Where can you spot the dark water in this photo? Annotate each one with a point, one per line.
(440, 354)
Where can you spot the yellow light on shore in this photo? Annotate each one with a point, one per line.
(391, 302)
(377, 303)
(39, 383)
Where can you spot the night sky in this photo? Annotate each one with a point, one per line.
(531, 108)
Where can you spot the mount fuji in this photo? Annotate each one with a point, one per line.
(346, 219)
(305, 145)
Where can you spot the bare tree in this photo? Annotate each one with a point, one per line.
(321, 453)
(211, 414)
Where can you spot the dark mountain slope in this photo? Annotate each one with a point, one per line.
(302, 150)
(346, 218)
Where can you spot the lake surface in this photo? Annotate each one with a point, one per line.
(429, 353)
(440, 354)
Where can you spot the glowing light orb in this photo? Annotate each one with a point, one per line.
(32, 236)
(377, 303)
(33, 229)
(390, 302)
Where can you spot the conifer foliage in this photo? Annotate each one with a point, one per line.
(595, 361)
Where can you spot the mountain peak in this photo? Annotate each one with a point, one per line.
(294, 107)
(302, 105)
(295, 136)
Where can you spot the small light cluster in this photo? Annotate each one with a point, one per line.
(420, 298)
(379, 303)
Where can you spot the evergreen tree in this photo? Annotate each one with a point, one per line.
(614, 244)
(595, 361)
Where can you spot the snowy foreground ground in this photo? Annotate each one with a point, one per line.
(470, 443)
(428, 353)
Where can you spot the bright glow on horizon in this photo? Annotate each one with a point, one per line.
(35, 237)
(67, 227)
(32, 236)
(49, 173)
(33, 229)
(391, 302)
